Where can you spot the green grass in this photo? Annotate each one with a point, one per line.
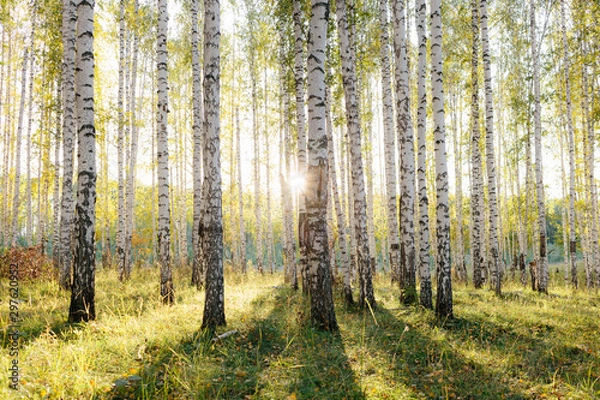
(524, 346)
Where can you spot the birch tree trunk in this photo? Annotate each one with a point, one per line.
(83, 289)
(16, 191)
(423, 261)
(461, 268)
(490, 156)
(197, 123)
(301, 126)
(211, 232)
(130, 189)
(341, 222)
(477, 245)
(571, 141)
(539, 177)
(407, 185)
(120, 245)
(289, 248)
(358, 178)
(270, 261)
(69, 21)
(314, 234)
(256, 137)
(56, 196)
(242, 228)
(164, 214)
(591, 180)
(29, 124)
(444, 277)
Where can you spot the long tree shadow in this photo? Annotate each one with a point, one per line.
(275, 354)
(427, 365)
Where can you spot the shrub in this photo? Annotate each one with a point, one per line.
(33, 264)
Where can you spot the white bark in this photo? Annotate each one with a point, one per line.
(539, 176)
(164, 215)
(130, 189)
(595, 250)
(83, 289)
(490, 156)
(314, 234)
(571, 141)
(120, 248)
(407, 184)
(16, 189)
(423, 260)
(301, 124)
(197, 122)
(358, 179)
(444, 277)
(477, 210)
(212, 221)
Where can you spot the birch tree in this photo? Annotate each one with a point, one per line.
(133, 128)
(301, 125)
(17, 181)
(82, 306)
(69, 21)
(121, 219)
(478, 242)
(571, 141)
(197, 123)
(164, 215)
(405, 131)
(423, 261)
(211, 232)
(591, 180)
(443, 307)
(322, 311)
(389, 133)
(542, 265)
(358, 179)
(490, 156)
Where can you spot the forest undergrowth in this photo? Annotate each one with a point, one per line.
(523, 346)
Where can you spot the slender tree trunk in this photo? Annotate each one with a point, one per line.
(120, 249)
(407, 184)
(130, 189)
(565, 208)
(444, 277)
(212, 223)
(490, 156)
(289, 248)
(242, 228)
(83, 291)
(197, 113)
(543, 258)
(314, 234)
(571, 141)
(358, 178)
(369, 175)
(461, 268)
(301, 126)
(7, 145)
(29, 127)
(341, 222)
(423, 261)
(477, 245)
(17, 181)
(591, 180)
(56, 196)
(270, 260)
(256, 137)
(164, 214)
(69, 21)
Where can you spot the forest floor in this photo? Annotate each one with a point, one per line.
(523, 346)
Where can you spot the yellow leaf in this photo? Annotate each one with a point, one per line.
(291, 397)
